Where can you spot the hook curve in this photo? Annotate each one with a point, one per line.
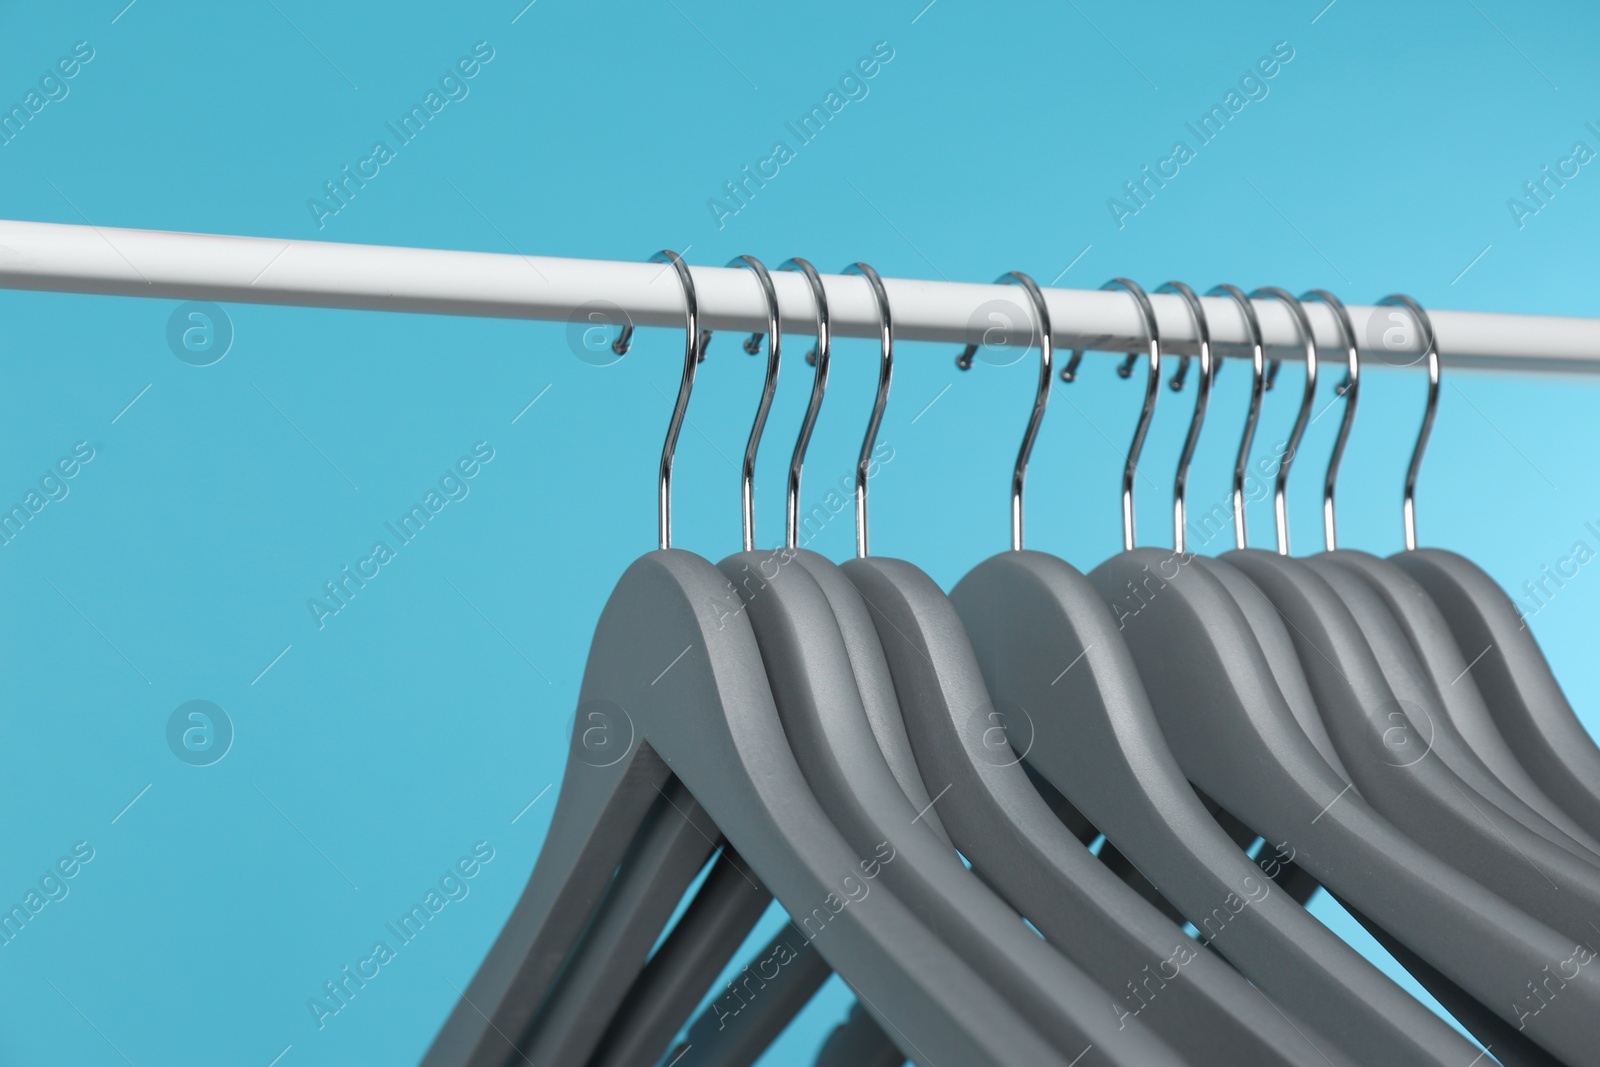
(1152, 390)
(1280, 492)
(1350, 390)
(818, 358)
(1423, 433)
(1041, 396)
(880, 401)
(691, 360)
(1202, 400)
(1258, 387)
(747, 473)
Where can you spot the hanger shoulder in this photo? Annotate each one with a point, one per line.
(1517, 684)
(1049, 645)
(1382, 599)
(1465, 930)
(1412, 783)
(1153, 970)
(1271, 633)
(1227, 723)
(875, 683)
(678, 672)
(820, 707)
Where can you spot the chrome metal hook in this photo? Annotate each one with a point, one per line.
(747, 476)
(1041, 396)
(1202, 400)
(880, 401)
(1258, 387)
(818, 358)
(1432, 347)
(1302, 418)
(1350, 391)
(1151, 391)
(692, 353)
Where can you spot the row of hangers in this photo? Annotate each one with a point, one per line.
(1234, 731)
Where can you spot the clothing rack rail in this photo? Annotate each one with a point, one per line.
(54, 257)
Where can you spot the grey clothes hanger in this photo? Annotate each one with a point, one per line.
(1505, 661)
(1425, 659)
(819, 702)
(1153, 970)
(1339, 623)
(1508, 1044)
(1516, 681)
(711, 1042)
(1219, 704)
(730, 901)
(1053, 658)
(688, 702)
(611, 953)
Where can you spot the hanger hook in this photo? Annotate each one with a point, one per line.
(880, 401)
(747, 478)
(1202, 400)
(1152, 390)
(1280, 493)
(1258, 386)
(1041, 396)
(1350, 390)
(692, 351)
(817, 357)
(1432, 355)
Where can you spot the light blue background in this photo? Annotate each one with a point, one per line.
(429, 713)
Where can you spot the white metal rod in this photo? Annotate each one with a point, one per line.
(151, 263)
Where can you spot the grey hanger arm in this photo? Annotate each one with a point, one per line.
(1429, 635)
(1517, 684)
(1508, 1044)
(1411, 682)
(1269, 628)
(1220, 709)
(698, 706)
(576, 1013)
(1424, 798)
(1047, 643)
(819, 702)
(858, 1042)
(1153, 970)
(712, 928)
(736, 1028)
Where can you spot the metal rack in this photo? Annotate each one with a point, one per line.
(55, 257)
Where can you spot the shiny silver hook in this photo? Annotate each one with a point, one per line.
(1432, 356)
(817, 357)
(1152, 390)
(1041, 396)
(1280, 494)
(692, 350)
(1350, 390)
(1258, 386)
(1201, 401)
(880, 401)
(747, 477)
